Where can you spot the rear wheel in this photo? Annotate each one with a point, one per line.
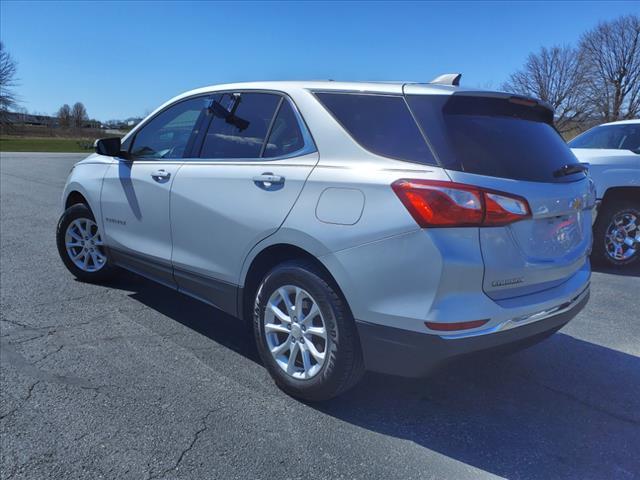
(81, 247)
(616, 236)
(305, 334)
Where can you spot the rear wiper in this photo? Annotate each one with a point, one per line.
(569, 169)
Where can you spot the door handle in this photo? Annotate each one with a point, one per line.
(160, 175)
(269, 181)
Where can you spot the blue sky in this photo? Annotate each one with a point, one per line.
(123, 59)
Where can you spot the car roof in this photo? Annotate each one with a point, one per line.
(623, 122)
(394, 87)
(391, 88)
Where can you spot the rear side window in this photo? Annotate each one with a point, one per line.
(380, 123)
(497, 137)
(168, 133)
(242, 133)
(285, 136)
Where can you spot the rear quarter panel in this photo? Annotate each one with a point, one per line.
(387, 267)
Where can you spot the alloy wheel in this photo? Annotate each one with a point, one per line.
(84, 245)
(622, 237)
(295, 332)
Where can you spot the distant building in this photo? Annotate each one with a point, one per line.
(18, 118)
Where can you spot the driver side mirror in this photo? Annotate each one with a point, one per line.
(111, 147)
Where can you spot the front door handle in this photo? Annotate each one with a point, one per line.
(269, 181)
(160, 175)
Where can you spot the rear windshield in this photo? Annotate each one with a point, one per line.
(497, 137)
(615, 137)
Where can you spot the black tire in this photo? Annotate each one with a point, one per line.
(343, 365)
(608, 211)
(75, 212)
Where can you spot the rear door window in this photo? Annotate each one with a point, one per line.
(380, 123)
(239, 130)
(285, 136)
(493, 136)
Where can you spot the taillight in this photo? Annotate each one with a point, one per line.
(434, 203)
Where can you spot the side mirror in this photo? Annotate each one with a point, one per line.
(108, 146)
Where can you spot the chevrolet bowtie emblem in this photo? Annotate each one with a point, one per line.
(576, 203)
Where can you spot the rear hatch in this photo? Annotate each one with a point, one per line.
(508, 144)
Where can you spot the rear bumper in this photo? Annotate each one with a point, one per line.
(410, 354)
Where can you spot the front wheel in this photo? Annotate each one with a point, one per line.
(616, 235)
(81, 247)
(305, 333)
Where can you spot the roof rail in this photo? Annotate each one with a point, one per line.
(448, 79)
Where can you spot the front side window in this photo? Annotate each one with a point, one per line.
(168, 133)
(239, 125)
(380, 123)
(615, 137)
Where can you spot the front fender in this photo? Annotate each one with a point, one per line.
(86, 179)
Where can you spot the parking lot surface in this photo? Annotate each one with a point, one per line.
(135, 381)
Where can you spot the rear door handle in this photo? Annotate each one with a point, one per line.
(160, 175)
(268, 181)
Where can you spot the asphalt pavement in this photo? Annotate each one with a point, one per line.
(134, 381)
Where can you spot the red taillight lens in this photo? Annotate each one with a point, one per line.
(502, 209)
(440, 204)
(434, 203)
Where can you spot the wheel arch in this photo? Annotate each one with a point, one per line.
(74, 197)
(621, 193)
(268, 258)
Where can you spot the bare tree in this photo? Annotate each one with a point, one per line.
(79, 115)
(555, 75)
(8, 70)
(612, 56)
(64, 116)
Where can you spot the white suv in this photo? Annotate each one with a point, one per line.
(612, 151)
(391, 227)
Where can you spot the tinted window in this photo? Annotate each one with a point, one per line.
(285, 136)
(242, 133)
(493, 136)
(616, 137)
(126, 144)
(168, 133)
(380, 123)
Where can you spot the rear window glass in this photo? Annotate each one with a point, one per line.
(380, 123)
(615, 137)
(493, 137)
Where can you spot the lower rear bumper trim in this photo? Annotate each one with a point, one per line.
(401, 352)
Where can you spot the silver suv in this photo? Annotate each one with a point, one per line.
(387, 227)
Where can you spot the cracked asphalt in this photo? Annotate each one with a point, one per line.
(134, 381)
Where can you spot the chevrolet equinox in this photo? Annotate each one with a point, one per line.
(357, 226)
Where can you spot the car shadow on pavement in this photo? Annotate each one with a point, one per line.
(204, 319)
(565, 408)
(633, 271)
